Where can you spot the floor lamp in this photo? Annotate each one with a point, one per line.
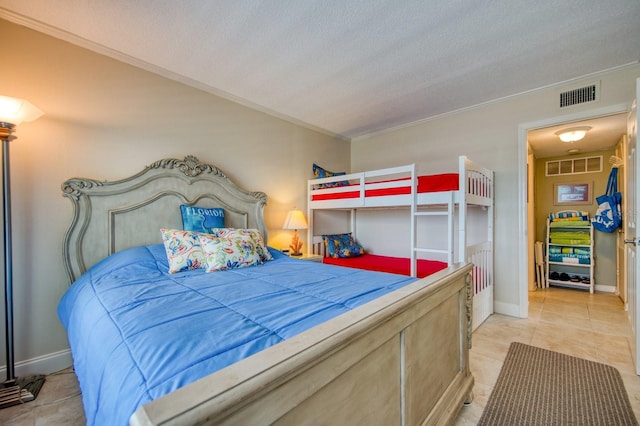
(14, 390)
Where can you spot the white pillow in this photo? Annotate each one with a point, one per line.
(255, 234)
(183, 249)
(224, 253)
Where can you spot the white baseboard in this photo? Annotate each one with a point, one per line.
(506, 309)
(605, 288)
(45, 364)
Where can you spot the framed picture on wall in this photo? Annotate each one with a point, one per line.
(572, 193)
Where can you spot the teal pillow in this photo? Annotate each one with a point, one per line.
(341, 245)
(352, 250)
(201, 219)
(319, 173)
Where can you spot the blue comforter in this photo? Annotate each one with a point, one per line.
(137, 332)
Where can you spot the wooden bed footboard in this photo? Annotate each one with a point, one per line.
(401, 359)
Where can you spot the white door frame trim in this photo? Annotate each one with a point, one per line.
(523, 237)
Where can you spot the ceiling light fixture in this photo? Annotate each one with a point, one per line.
(573, 134)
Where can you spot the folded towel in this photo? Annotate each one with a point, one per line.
(581, 259)
(570, 241)
(565, 223)
(569, 250)
(569, 215)
(578, 233)
(570, 237)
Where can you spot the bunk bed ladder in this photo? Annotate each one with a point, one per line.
(449, 212)
(414, 221)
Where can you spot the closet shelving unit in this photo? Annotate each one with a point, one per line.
(572, 269)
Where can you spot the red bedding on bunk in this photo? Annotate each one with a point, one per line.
(427, 183)
(394, 265)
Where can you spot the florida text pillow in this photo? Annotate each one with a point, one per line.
(201, 219)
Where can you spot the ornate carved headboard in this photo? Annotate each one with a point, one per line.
(111, 216)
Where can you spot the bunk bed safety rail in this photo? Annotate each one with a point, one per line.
(478, 184)
(393, 177)
(362, 178)
(477, 181)
(335, 184)
(480, 255)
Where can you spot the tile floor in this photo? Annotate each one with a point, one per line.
(573, 322)
(58, 403)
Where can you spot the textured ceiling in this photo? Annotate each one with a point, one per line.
(605, 133)
(351, 67)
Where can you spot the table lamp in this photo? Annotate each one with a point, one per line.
(295, 220)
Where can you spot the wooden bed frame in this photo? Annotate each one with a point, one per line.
(400, 359)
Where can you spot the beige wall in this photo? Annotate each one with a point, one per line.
(107, 120)
(489, 135)
(604, 243)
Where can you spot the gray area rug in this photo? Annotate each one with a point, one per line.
(541, 387)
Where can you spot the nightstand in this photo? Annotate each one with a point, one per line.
(308, 256)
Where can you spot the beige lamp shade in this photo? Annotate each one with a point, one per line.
(295, 220)
(15, 111)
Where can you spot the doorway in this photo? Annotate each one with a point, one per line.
(586, 163)
(525, 249)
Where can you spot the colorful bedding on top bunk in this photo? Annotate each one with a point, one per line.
(560, 233)
(427, 183)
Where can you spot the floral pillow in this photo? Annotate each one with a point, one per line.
(224, 253)
(341, 245)
(255, 234)
(319, 173)
(183, 249)
(201, 219)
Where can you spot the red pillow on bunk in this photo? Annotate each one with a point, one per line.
(341, 245)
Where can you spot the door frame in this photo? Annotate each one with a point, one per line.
(523, 234)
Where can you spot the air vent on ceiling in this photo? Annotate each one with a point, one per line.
(579, 96)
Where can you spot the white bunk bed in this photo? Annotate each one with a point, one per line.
(470, 187)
